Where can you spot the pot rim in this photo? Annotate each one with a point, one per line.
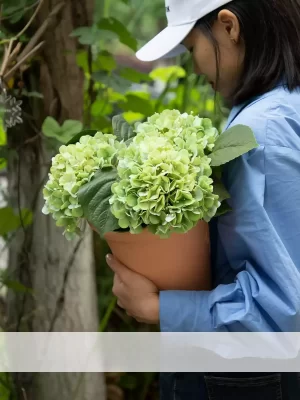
(145, 235)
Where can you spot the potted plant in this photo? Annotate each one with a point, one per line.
(150, 191)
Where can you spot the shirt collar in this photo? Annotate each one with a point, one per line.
(235, 111)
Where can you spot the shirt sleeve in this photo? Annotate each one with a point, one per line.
(261, 238)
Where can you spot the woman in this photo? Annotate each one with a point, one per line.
(249, 51)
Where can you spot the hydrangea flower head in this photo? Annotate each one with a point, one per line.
(72, 167)
(165, 175)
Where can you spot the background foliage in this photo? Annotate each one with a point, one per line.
(115, 82)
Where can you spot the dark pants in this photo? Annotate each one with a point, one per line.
(230, 386)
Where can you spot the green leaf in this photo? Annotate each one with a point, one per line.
(101, 122)
(122, 130)
(132, 117)
(113, 25)
(64, 133)
(10, 221)
(134, 76)
(113, 96)
(217, 173)
(76, 138)
(223, 209)
(233, 143)
(13, 8)
(221, 191)
(105, 61)
(87, 35)
(82, 60)
(167, 74)
(101, 107)
(94, 199)
(51, 128)
(3, 146)
(17, 286)
(113, 81)
(3, 151)
(137, 104)
(5, 380)
(3, 137)
(69, 129)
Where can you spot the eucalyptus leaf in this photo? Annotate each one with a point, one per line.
(122, 130)
(233, 143)
(94, 199)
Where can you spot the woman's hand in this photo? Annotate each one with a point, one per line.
(136, 294)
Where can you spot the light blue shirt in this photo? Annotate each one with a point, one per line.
(256, 248)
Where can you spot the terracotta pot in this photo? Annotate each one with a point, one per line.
(181, 262)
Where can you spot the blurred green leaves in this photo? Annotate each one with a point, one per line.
(10, 221)
(138, 103)
(90, 35)
(106, 61)
(3, 146)
(113, 25)
(135, 76)
(87, 35)
(63, 133)
(17, 287)
(166, 74)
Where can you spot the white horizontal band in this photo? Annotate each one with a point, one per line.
(155, 352)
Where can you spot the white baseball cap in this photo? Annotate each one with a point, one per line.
(182, 16)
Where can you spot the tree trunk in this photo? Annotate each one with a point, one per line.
(61, 273)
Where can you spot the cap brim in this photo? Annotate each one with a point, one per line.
(166, 44)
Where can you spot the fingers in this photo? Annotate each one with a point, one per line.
(117, 280)
(117, 290)
(119, 269)
(117, 286)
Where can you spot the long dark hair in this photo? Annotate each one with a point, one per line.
(270, 30)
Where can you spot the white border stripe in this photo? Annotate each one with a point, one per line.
(155, 352)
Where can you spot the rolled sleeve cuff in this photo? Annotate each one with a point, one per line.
(185, 311)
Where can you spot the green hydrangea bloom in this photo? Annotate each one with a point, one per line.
(71, 168)
(165, 175)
